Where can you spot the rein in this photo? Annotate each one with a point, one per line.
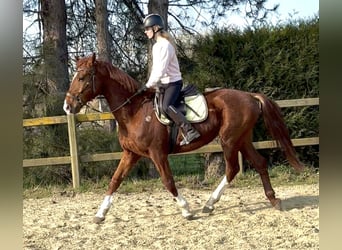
(128, 100)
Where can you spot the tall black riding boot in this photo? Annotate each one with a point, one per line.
(188, 131)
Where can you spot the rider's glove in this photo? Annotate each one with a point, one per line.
(142, 89)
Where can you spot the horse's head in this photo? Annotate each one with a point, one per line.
(83, 87)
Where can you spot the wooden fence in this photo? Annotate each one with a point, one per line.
(75, 159)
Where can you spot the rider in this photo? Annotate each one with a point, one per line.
(165, 69)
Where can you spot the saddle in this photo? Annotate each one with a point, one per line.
(191, 103)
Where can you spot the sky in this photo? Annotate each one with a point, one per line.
(297, 8)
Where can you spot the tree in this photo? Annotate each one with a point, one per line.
(104, 44)
(50, 76)
(160, 7)
(102, 32)
(55, 51)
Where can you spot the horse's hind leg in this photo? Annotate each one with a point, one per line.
(232, 168)
(215, 196)
(126, 163)
(260, 165)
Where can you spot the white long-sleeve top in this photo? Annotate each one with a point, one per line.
(165, 66)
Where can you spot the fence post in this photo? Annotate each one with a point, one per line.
(73, 151)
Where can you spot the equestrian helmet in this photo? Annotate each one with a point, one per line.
(152, 20)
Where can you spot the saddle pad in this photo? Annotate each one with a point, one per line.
(196, 103)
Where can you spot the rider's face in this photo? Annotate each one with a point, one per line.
(149, 32)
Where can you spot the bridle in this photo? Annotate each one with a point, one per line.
(86, 86)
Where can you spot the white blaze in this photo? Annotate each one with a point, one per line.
(74, 76)
(66, 108)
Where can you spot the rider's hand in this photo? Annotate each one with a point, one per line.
(142, 89)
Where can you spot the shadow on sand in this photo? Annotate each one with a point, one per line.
(297, 202)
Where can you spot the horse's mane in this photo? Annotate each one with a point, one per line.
(121, 77)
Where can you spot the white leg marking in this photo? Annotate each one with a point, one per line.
(107, 202)
(184, 205)
(216, 195)
(220, 188)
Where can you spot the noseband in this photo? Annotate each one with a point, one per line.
(78, 96)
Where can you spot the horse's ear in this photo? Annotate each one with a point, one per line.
(76, 58)
(94, 58)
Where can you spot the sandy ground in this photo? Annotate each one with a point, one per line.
(243, 219)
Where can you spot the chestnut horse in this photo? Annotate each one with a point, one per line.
(232, 115)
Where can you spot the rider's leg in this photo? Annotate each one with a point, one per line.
(189, 133)
(171, 95)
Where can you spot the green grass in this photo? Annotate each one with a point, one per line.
(280, 176)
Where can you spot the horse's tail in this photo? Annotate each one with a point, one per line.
(275, 125)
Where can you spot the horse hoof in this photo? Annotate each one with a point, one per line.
(98, 220)
(189, 216)
(207, 209)
(277, 205)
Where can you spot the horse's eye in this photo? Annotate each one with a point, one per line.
(81, 78)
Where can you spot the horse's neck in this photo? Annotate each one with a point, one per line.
(117, 88)
(117, 96)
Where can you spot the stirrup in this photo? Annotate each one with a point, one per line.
(189, 137)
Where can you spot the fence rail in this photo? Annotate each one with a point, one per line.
(74, 159)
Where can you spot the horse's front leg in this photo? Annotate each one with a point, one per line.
(164, 170)
(184, 206)
(126, 163)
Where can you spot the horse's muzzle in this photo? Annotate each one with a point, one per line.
(66, 107)
(71, 108)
